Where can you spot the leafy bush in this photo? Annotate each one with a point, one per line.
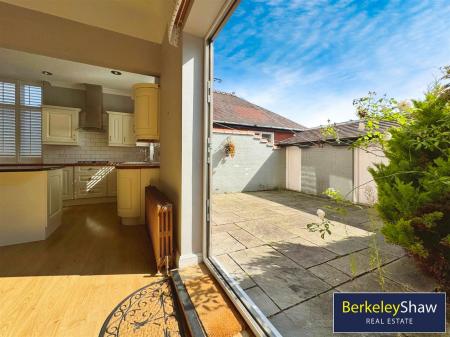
(414, 187)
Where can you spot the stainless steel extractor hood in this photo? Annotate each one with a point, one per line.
(91, 118)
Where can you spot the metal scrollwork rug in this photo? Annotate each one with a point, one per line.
(151, 311)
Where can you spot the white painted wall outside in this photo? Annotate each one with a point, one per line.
(327, 167)
(256, 166)
(365, 187)
(338, 167)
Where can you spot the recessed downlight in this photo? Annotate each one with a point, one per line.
(115, 72)
(45, 72)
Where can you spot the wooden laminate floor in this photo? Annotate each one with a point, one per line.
(68, 284)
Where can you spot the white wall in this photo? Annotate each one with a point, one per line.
(365, 187)
(170, 129)
(192, 150)
(327, 167)
(256, 166)
(181, 139)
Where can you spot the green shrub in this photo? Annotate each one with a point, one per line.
(414, 187)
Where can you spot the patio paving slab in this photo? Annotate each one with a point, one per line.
(226, 217)
(313, 318)
(224, 243)
(224, 228)
(329, 274)
(263, 302)
(305, 253)
(335, 243)
(240, 276)
(285, 281)
(245, 238)
(265, 231)
(371, 282)
(358, 263)
(406, 272)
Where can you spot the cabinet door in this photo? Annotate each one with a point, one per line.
(90, 181)
(128, 129)
(59, 125)
(54, 190)
(149, 176)
(128, 193)
(67, 184)
(146, 111)
(115, 128)
(112, 183)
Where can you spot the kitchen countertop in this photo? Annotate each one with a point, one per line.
(136, 166)
(28, 168)
(47, 166)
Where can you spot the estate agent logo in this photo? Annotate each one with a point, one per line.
(389, 312)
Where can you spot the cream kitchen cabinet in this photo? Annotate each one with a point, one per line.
(67, 183)
(146, 111)
(121, 129)
(90, 181)
(111, 181)
(131, 185)
(60, 125)
(54, 192)
(128, 193)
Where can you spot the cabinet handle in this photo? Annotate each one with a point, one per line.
(109, 137)
(124, 139)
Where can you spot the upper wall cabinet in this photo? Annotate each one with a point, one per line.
(146, 111)
(121, 129)
(60, 125)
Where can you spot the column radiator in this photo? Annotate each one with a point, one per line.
(159, 222)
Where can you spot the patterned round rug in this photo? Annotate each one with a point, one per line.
(151, 311)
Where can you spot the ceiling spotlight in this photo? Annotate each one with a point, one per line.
(45, 72)
(115, 72)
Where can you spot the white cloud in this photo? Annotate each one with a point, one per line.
(308, 60)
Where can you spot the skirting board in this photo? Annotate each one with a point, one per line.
(88, 201)
(188, 259)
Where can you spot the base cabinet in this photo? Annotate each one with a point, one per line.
(67, 183)
(128, 188)
(131, 185)
(82, 183)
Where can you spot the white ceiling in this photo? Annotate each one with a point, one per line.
(25, 66)
(144, 19)
(202, 15)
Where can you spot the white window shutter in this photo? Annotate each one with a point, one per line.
(30, 121)
(7, 119)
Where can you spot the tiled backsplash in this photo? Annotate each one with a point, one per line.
(92, 146)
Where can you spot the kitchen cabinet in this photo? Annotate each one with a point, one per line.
(60, 125)
(128, 193)
(131, 185)
(54, 193)
(121, 129)
(146, 111)
(67, 183)
(91, 181)
(112, 183)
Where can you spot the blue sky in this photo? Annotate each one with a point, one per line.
(308, 59)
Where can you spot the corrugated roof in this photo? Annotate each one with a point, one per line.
(345, 130)
(230, 109)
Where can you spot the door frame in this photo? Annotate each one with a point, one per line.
(256, 320)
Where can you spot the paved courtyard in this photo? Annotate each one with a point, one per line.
(262, 240)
